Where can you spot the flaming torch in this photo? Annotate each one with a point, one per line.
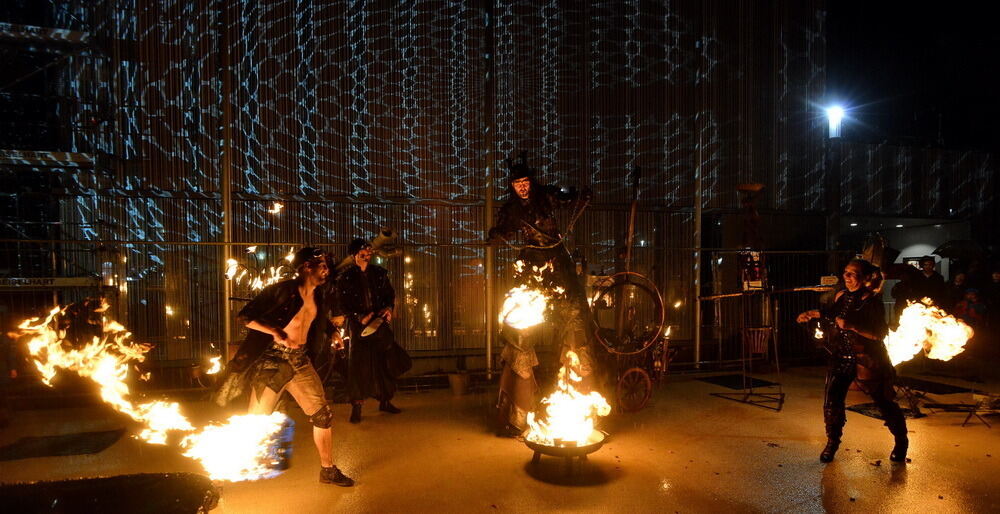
(244, 448)
(923, 326)
(523, 308)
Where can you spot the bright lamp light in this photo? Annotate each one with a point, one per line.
(835, 115)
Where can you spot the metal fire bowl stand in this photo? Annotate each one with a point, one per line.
(568, 452)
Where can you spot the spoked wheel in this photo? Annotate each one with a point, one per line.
(634, 389)
(628, 313)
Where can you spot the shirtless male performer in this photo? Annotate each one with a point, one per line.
(288, 324)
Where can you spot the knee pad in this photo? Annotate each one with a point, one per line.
(323, 417)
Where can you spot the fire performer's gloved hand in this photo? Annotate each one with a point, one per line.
(337, 340)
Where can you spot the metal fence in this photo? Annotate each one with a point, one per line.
(727, 310)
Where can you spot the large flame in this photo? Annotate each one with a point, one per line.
(106, 360)
(523, 308)
(570, 414)
(923, 326)
(241, 449)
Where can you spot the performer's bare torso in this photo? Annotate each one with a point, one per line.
(298, 328)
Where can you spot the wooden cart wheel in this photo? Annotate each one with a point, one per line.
(634, 390)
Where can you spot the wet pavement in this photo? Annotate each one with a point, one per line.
(685, 452)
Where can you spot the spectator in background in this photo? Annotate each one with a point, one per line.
(971, 309)
(956, 291)
(991, 292)
(929, 283)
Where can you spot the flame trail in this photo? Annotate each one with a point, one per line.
(106, 360)
(570, 413)
(923, 326)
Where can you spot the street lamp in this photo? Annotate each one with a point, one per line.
(835, 115)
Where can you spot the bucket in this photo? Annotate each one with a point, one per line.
(459, 383)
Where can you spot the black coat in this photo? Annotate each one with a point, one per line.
(275, 306)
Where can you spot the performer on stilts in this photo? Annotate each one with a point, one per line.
(530, 212)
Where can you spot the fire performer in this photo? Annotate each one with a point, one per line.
(287, 335)
(858, 353)
(530, 212)
(367, 300)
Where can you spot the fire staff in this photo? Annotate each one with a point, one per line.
(288, 326)
(530, 213)
(857, 322)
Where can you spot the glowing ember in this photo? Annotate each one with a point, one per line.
(523, 308)
(216, 365)
(818, 334)
(255, 280)
(245, 448)
(251, 249)
(570, 414)
(923, 326)
(276, 207)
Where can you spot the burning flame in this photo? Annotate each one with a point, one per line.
(923, 326)
(570, 413)
(818, 334)
(244, 448)
(276, 207)
(104, 360)
(216, 365)
(107, 359)
(523, 308)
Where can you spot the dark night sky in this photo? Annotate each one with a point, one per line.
(915, 75)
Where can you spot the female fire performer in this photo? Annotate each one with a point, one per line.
(544, 263)
(855, 332)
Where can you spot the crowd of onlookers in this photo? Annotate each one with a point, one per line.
(972, 295)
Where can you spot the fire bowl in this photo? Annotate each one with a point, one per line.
(593, 443)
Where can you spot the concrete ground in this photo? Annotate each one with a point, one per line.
(686, 452)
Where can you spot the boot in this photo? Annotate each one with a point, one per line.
(332, 475)
(832, 445)
(899, 450)
(355, 413)
(387, 406)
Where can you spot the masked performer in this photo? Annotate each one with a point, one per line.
(530, 213)
(288, 333)
(855, 329)
(366, 296)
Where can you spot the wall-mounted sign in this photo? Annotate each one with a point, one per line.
(48, 282)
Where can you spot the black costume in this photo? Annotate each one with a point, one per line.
(534, 219)
(855, 357)
(361, 293)
(258, 362)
